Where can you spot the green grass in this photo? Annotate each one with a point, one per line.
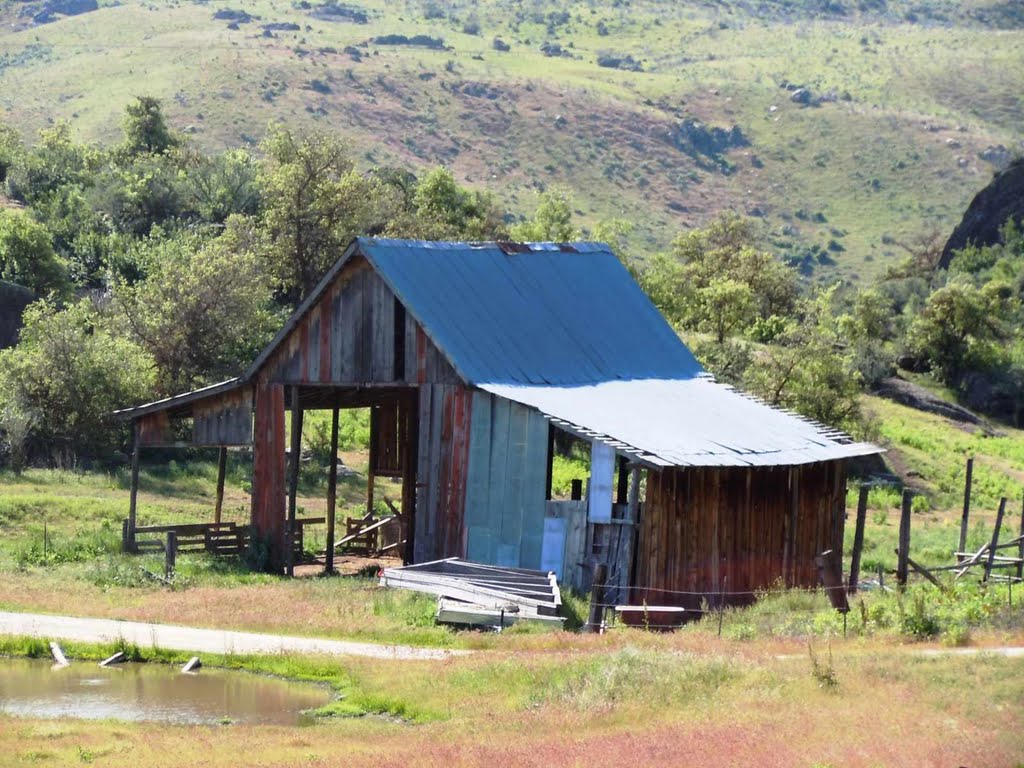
(923, 612)
(936, 449)
(875, 167)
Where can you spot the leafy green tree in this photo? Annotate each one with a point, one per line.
(143, 192)
(724, 305)
(697, 284)
(552, 220)
(222, 185)
(145, 129)
(56, 161)
(203, 309)
(27, 256)
(66, 375)
(445, 210)
(963, 327)
(11, 149)
(314, 204)
(809, 369)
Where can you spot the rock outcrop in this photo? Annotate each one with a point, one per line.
(1001, 200)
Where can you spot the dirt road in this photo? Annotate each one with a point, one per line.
(200, 640)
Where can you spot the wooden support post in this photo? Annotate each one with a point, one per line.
(222, 468)
(332, 493)
(192, 665)
(967, 505)
(551, 462)
(830, 574)
(1020, 546)
(576, 490)
(170, 554)
(622, 490)
(411, 454)
(134, 496)
(995, 538)
(858, 539)
(293, 484)
(597, 599)
(634, 515)
(904, 541)
(789, 543)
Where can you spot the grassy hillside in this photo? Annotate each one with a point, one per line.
(919, 90)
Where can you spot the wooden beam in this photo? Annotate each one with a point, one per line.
(925, 572)
(995, 538)
(293, 483)
(904, 541)
(967, 505)
(134, 495)
(222, 466)
(858, 539)
(332, 492)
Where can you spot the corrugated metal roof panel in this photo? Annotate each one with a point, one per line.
(545, 313)
(694, 422)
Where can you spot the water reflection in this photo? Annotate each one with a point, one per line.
(30, 688)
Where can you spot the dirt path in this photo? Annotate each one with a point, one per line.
(201, 640)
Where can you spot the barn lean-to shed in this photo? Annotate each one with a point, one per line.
(471, 357)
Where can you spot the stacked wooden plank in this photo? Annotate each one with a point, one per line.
(481, 595)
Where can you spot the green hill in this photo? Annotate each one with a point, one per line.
(660, 113)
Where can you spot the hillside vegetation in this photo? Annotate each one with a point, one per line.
(846, 126)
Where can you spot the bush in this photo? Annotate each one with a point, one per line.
(70, 373)
(27, 256)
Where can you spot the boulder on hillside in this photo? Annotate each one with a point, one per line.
(53, 9)
(1000, 201)
(233, 15)
(917, 397)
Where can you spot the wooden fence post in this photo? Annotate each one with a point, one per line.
(134, 496)
(858, 539)
(1020, 546)
(222, 466)
(170, 554)
(597, 598)
(904, 540)
(962, 547)
(995, 538)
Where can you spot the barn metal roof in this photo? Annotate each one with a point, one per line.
(536, 313)
(686, 423)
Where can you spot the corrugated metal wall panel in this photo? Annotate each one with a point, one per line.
(505, 490)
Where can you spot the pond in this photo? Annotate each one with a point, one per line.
(152, 692)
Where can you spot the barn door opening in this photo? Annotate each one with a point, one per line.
(363, 441)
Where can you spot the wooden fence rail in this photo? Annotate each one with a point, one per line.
(225, 539)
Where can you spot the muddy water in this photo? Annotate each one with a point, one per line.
(151, 692)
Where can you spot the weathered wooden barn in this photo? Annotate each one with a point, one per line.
(472, 357)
